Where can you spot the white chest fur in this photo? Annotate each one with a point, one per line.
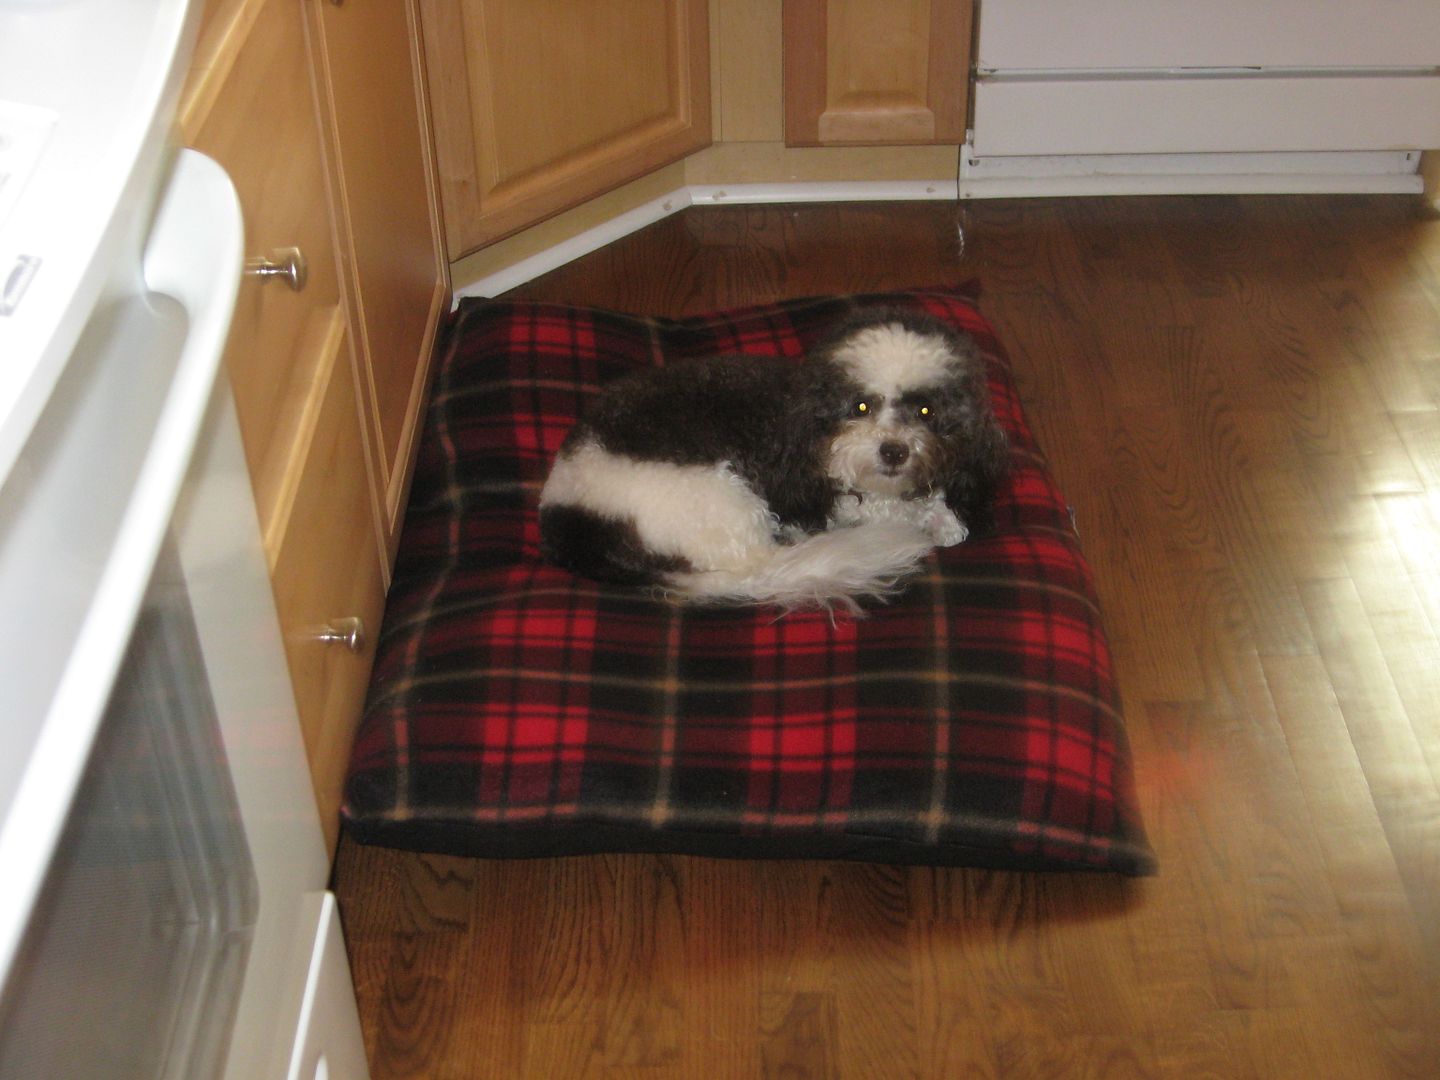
(930, 514)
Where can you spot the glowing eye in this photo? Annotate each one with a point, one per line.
(860, 408)
(925, 411)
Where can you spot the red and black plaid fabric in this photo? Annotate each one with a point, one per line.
(517, 710)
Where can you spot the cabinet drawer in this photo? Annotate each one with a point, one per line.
(326, 570)
(250, 106)
(1114, 34)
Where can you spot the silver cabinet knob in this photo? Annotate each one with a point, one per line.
(349, 631)
(288, 263)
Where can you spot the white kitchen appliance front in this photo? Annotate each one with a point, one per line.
(164, 910)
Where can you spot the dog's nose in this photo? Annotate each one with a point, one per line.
(894, 453)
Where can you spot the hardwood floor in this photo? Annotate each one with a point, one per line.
(1240, 397)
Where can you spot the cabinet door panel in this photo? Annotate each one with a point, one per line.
(876, 71)
(541, 104)
(396, 275)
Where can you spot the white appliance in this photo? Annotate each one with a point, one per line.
(163, 904)
(1119, 97)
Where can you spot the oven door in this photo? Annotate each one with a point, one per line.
(164, 909)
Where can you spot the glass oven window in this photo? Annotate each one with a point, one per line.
(132, 965)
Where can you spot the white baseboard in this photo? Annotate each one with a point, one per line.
(1011, 177)
(579, 245)
(1363, 172)
(700, 195)
(822, 191)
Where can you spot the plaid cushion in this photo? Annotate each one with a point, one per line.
(517, 710)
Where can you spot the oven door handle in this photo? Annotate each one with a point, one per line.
(194, 256)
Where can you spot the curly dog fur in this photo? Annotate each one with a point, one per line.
(742, 479)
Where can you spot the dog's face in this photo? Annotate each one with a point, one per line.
(908, 391)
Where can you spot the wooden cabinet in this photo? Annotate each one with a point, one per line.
(541, 104)
(863, 72)
(329, 377)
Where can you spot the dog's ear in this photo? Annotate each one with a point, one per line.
(978, 461)
(802, 492)
(977, 450)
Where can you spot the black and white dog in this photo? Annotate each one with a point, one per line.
(755, 480)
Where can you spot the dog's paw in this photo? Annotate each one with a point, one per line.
(942, 526)
(847, 511)
(789, 535)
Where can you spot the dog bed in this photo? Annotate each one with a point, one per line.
(517, 710)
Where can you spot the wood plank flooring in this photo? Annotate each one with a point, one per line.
(1240, 397)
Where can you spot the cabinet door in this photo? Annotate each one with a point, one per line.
(876, 71)
(541, 104)
(373, 104)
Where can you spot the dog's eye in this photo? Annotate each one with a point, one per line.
(860, 408)
(925, 413)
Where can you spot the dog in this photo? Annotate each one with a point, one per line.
(755, 480)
